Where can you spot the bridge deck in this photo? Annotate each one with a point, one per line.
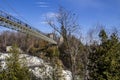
(11, 22)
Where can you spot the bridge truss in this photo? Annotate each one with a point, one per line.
(8, 21)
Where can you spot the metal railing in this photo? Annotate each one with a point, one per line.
(7, 20)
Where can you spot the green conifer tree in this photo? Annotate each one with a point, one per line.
(104, 58)
(14, 70)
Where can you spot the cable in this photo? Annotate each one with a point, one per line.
(15, 11)
(3, 9)
(20, 16)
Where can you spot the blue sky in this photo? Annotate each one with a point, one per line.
(90, 12)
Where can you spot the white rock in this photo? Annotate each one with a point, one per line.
(39, 68)
(67, 74)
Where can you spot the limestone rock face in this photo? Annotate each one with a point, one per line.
(42, 70)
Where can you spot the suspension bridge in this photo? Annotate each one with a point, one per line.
(9, 21)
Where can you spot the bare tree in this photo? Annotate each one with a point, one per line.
(75, 52)
(66, 25)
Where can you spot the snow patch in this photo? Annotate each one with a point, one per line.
(67, 74)
(38, 67)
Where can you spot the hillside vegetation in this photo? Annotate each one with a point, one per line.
(97, 59)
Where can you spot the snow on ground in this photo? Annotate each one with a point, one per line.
(67, 74)
(2, 59)
(39, 68)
